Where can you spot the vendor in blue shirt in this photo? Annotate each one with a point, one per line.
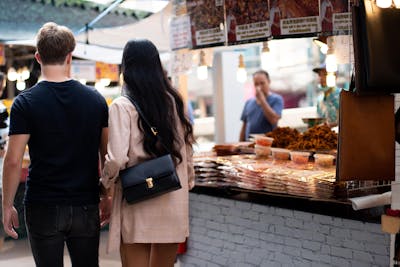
(262, 112)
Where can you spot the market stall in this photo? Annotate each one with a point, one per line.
(282, 206)
(287, 162)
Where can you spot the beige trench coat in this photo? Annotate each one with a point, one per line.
(164, 219)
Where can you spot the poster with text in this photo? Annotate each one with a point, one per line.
(83, 70)
(335, 16)
(344, 50)
(295, 17)
(180, 33)
(206, 22)
(247, 21)
(181, 63)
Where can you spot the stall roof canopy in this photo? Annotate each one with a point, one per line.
(155, 28)
(21, 19)
(152, 6)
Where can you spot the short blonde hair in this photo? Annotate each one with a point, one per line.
(54, 43)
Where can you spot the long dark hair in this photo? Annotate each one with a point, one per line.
(147, 84)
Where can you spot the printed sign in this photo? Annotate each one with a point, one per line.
(294, 17)
(335, 16)
(206, 22)
(344, 49)
(181, 63)
(247, 21)
(341, 23)
(83, 69)
(180, 33)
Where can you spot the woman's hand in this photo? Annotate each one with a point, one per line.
(105, 207)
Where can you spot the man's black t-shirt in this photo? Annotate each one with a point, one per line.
(64, 121)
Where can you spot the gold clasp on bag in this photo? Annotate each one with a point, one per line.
(149, 182)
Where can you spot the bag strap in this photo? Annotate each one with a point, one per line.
(152, 128)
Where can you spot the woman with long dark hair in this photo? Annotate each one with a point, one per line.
(148, 232)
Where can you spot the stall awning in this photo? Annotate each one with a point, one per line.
(155, 28)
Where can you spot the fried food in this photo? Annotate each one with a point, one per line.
(284, 136)
(319, 137)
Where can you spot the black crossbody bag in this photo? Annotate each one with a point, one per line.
(151, 178)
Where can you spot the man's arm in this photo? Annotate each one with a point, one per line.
(103, 153)
(243, 132)
(11, 177)
(105, 195)
(103, 146)
(269, 113)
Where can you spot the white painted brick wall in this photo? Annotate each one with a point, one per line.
(397, 105)
(233, 233)
(397, 175)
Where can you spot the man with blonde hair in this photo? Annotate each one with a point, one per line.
(65, 125)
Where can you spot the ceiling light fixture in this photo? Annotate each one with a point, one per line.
(202, 69)
(241, 74)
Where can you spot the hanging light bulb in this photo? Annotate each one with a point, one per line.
(397, 3)
(105, 82)
(12, 74)
(265, 49)
(331, 63)
(324, 49)
(21, 85)
(384, 3)
(321, 43)
(241, 74)
(265, 56)
(99, 86)
(202, 71)
(331, 79)
(25, 74)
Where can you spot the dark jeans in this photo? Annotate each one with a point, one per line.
(50, 226)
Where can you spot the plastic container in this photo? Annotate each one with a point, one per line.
(262, 151)
(263, 140)
(280, 153)
(324, 160)
(299, 157)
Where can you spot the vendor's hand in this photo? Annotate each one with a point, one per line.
(260, 95)
(105, 210)
(10, 221)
